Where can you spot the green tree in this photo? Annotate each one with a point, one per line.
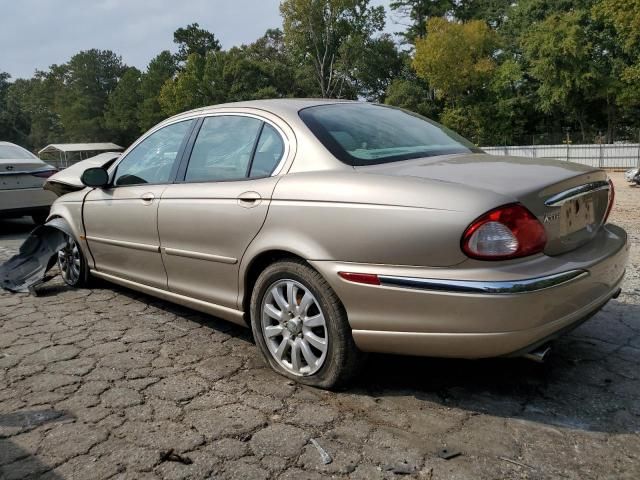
(417, 13)
(369, 65)
(457, 59)
(412, 94)
(315, 32)
(87, 81)
(15, 122)
(193, 39)
(161, 68)
(493, 12)
(200, 83)
(560, 54)
(262, 69)
(121, 115)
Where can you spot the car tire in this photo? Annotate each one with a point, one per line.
(73, 265)
(316, 316)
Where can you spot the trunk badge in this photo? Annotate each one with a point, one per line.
(551, 217)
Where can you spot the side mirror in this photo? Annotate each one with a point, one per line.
(96, 177)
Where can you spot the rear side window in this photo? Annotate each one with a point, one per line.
(223, 149)
(268, 153)
(367, 134)
(13, 152)
(233, 147)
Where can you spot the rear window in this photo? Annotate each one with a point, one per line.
(369, 134)
(12, 152)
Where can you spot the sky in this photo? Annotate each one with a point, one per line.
(35, 34)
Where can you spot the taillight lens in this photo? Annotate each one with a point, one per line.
(510, 231)
(44, 173)
(612, 197)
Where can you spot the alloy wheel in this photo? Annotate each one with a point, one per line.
(69, 262)
(294, 327)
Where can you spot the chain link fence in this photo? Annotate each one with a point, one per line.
(624, 155)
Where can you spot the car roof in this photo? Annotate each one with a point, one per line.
(283, 107)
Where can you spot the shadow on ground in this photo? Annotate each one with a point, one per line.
(590, 383)
(22, 462)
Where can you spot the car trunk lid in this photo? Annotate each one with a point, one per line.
(21, 173)
(570, 200)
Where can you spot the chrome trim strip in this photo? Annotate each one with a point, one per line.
(576, 192)
(199, 256)
(505, 287)
(121, 243)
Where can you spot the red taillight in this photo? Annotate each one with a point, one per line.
(510, 231)
(44, 173)
(367, 278)
(612, 197)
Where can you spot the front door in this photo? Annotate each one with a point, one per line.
(208, 218)
(121, 221)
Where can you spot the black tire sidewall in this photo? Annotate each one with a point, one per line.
(335, 320)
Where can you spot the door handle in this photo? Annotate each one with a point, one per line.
(249, 199)
(147, 198)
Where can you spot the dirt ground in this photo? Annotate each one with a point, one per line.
(108, 383)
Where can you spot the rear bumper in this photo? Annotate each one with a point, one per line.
(25, 201)
(483, 310)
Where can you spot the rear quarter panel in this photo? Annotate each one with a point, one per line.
(362, 218)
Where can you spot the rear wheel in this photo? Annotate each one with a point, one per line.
(301, 327)
(73, 265)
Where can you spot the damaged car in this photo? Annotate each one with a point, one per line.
(335, 228)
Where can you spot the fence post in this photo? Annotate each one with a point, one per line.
(601, 156)
(638, 161)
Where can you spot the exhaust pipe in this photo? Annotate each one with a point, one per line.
(540, 354)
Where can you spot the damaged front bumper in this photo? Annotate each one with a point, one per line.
(24, 271)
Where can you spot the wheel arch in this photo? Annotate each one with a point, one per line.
(71, 214)
(254, 267)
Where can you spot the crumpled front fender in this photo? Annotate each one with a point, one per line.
(22, 272)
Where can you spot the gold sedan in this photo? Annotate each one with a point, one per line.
(333, 228)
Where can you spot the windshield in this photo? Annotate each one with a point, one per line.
(13, 152)
(369, 134)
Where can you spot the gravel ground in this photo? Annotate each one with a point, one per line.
(107, 383)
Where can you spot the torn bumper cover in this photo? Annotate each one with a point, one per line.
(22, 272)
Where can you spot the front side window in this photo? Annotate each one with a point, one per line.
(368, 134)
(152, 160)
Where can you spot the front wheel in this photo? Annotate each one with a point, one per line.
(73, 265)
(301, 327)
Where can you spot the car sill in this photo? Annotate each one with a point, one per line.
(474, 286)
(226, 313)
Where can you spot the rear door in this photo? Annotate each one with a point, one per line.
(121, 221)
(210, 215)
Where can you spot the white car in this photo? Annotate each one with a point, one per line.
(21, 177)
